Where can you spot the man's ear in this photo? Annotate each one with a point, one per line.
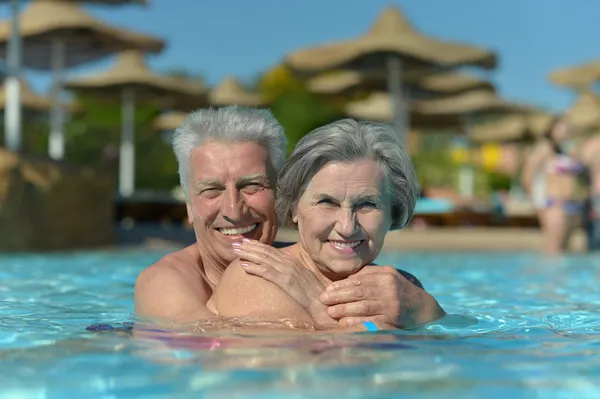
(190, 215)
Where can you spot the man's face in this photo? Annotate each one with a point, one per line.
(231, 196)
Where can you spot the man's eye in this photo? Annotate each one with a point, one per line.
(209, 192)
(253, 188)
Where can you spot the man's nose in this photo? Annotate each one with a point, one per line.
(232, 205)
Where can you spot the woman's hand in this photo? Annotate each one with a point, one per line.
(382, 295)
(288, 274)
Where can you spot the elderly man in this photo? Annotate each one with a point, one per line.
(228, 163)
(590, 156)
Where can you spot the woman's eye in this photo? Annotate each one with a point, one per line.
(368, 205)
(326, 201)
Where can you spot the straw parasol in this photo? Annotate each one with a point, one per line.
(348, 81)
(394, 42)
(511, 128)
(230, 92)
(378, 106)
(59, 35)
(169, 121)
(128, 78)
(584, 114)
(13, 92)
(577, 77)
(474, 103)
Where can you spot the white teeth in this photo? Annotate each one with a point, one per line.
(238, 231)
(345, 244)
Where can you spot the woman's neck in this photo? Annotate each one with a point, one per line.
(325, 275)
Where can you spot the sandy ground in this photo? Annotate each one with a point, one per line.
(431, 239)
(464, 239)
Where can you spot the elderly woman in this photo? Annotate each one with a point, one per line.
(344, 187)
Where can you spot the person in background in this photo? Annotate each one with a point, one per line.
(551, 176)
(590, 156)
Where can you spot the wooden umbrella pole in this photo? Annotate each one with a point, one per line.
(127, 148)
(12, 115)
(467, 172)
(395, 89)
(56, 148)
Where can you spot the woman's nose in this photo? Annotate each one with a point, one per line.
(347, 223)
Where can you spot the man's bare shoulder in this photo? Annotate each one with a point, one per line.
(170, 285)
(185, 261)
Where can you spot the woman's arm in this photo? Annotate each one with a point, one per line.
(532, 164)
(239, 294)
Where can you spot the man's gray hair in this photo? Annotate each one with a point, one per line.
(232, 123)
(344, 141)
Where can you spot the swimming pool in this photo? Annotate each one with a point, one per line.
(537, 336)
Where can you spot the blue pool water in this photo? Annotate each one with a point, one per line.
(537, 336)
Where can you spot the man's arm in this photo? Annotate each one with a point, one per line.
(165, 293)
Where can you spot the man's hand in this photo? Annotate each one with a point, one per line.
(380, 294)
(284, 271)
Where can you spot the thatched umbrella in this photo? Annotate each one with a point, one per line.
(511, 128)
(59, 35)
(472, 104)
(348, 82)
(12, 116)
(127, 78)
(169, 121)
(392, 41)
(378, 106)
(230, 92)
(584, 114)
(578, 77)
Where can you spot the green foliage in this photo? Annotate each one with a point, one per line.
(434, 167)
(498, 181)
(300, 112)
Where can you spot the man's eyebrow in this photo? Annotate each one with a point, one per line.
(253, 178)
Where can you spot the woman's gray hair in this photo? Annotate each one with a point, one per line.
(232, 123)
(344, 141)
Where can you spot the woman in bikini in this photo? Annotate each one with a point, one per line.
(551, 177)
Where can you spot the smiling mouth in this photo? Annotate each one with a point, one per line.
(236, 231)
(345, 244)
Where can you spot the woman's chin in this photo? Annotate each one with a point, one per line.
(342, 270)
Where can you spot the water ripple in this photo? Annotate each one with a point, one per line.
(518, 326)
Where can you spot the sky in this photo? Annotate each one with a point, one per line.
(244, 37)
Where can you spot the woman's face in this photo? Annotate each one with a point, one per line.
(343, 217)
(561, 131)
